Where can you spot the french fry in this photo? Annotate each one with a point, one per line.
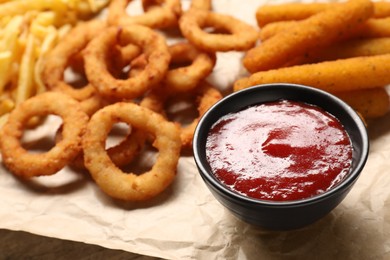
(47, 44)
(90, 7)
(369, 103)
(8, 45)
(298, 11)
(317, 31)
(82, 8)
(332, 76)
(6, 105)
(25, 87)
(28, 31)
(22, 6)
(3, 119)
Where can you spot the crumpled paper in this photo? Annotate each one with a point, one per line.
(186, 222)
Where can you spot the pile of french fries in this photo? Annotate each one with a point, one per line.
(28, 31)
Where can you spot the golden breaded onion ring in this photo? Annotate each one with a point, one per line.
(188, 77)
(129, 186)
(25, 164)
(61, 57)
(157, 13)
(205, 95)
(201, 4)
(120, 154)
(241, 36)
(154, 47)
(189, 66)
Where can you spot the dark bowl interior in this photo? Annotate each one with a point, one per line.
(291, 214)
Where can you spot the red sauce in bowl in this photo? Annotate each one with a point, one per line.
(279, 151)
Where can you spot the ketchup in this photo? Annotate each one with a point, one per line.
(279, 151)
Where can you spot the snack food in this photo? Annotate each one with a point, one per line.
(67, 9)
(369, 103)
(240, 36)
(317, 31)
(29, 30)
(332, 76)
(188, 66)
(267, 14)
(120, 154)
(185, 78)
(129, 186)
(373, 27)
(130, 62)
(60, 57)
(204, 96)
(154, 47)
(346, 49)
(25, 164)
(158, 13)
(201, 4)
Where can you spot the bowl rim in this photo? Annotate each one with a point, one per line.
(346, 182)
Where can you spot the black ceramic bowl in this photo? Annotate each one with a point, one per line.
(276, 215)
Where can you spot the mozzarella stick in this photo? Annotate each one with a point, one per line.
(375, 27)
(317, 31)
(346, 49)
(267, 14)
(274, 28)
(372, 28)
(369, 103)
(332, 76)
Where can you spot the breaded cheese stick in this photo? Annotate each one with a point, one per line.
(267, 14)
(344, 50)
(374, 27)
(319, 30)
(332, 76)
(370, 103)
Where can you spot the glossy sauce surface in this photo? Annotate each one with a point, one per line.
(279, 151)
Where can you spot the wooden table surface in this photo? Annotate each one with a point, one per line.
(23, 245)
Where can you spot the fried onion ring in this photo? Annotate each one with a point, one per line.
(121, 154)
(205, 95)
(154, 47)
(190, 66)
(241, 36)
(67, 53)
(129, 186)
(24, 164)
(60, 57)
(158, 13)
(201, 4)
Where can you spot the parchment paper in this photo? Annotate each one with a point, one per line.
(186, 222)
